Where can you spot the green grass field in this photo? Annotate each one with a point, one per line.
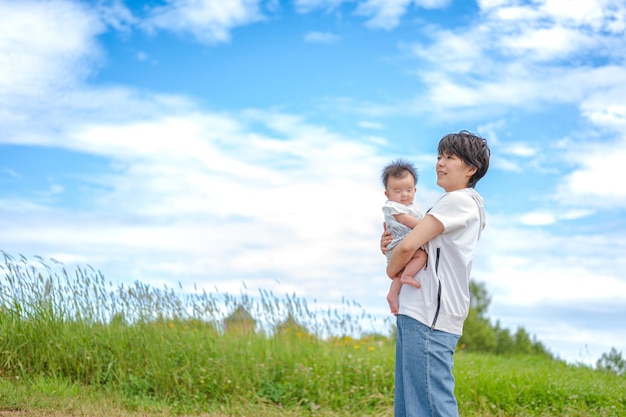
(69, 343)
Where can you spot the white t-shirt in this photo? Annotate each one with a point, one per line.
(442, 302)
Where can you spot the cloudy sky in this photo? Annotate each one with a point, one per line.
(220, 143)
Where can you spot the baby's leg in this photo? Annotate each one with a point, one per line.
(394, 295)
(413, 267)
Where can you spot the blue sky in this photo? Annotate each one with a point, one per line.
(220, 143)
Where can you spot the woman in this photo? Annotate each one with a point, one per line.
(430, 319)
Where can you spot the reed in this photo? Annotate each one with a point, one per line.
(186, 348)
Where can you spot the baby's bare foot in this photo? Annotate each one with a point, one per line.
(410, 281)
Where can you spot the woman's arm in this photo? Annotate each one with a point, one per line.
(385, 239)
(427, 229)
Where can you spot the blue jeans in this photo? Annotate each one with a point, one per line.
(424, 381)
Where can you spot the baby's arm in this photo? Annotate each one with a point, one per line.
(407, 220)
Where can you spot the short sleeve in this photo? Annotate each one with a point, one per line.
(392, 208)
(454, 210)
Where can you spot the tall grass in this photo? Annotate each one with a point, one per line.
(188, 352)
(165, 343)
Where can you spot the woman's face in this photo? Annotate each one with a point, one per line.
(452, 172)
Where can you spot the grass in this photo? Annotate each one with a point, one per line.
(536, 386)
(72, 343)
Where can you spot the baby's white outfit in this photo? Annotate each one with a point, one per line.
(397, 229)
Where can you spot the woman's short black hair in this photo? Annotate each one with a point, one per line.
(471, 148)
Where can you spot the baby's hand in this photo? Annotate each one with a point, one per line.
(407, 219)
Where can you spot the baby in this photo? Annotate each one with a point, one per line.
(401, 216)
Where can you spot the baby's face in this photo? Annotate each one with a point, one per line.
(401, 190)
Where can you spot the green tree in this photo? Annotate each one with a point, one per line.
(478, 333)
(479, 298)
(522, 342)
(612, 362)
(504, 339)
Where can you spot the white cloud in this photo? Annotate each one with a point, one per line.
(383, 14)
(547, 217)
(470, 86)
(321, 37)
(115, 14)
(528, 266)
(519, 149)
(142, 56)
(596, 180)
(599, 15)
(605, 107)
(456, 53)
(505, 164)
(45, 46)
(190, 191)
(524, 56)
(546, 44)
(538, 218)
(558, 284)
(574, 214)
(306, 6)
(554, 29)
(386, 14)
(202, 192)
(10, 172)
(547, 282)
(516, 156)
(380, 14)
(365, 124)
(209, 21)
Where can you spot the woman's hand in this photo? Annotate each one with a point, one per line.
(385, 239)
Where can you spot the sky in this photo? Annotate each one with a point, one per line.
(237, 146)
